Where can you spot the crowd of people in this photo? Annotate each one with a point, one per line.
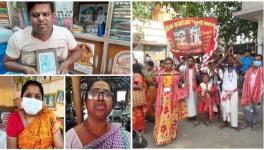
(186, 90)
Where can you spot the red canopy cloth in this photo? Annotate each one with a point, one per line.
(192, 36)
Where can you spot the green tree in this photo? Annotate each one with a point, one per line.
(230, 26)
(142, 10)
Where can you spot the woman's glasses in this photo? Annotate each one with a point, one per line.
(95, 94)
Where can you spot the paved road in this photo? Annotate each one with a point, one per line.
(211, 137)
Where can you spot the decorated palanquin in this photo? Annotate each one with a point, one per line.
(192, 36)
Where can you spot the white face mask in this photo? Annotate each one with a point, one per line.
(31, 105)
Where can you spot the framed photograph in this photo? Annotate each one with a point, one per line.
(60, 96)
(188, 36)
(47, 62)
(191, 36)
(49, 100)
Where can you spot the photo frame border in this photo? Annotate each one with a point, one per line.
(45, 51)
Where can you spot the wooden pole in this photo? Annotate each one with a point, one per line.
(77, 98)
(107, 36)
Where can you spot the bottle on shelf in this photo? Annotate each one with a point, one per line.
(60, 19)
(101, 24)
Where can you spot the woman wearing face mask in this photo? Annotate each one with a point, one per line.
(95, 131)
(33, 126)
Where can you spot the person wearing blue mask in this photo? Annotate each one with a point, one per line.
(252, 92)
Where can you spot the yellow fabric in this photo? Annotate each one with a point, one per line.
(39, 133)
(168, 80)
(165, 129)
(165, 124)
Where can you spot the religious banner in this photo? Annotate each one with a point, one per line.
(192, 36)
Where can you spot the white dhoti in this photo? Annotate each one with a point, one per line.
(229, 98)
(192, 98)
(192, 104)
(230, 109)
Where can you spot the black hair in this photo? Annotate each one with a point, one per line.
(205, 74)
(220, 55)
(168, 58)
(190, 57)
(210, 63)
(30, 5)
(137, 68)
(198, 60)
(247, 50)
(258, 55)
(150, 63)
(161, 61)
(32, 82)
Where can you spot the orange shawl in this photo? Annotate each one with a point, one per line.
(39, 133)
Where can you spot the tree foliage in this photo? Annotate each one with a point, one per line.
(142, 10)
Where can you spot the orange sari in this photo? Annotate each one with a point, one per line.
(170, 108)
(138, 112)
(39, 133)
(151, 100)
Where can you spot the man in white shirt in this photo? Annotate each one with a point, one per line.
(41, 35)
